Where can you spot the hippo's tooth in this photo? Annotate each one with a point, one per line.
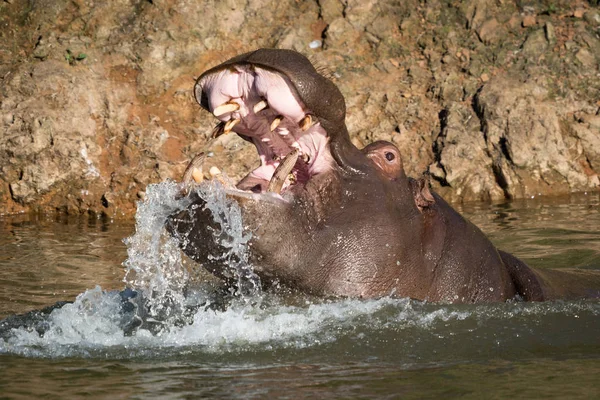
(282, 171)
(192, 172)
(198, 175)
(276, 122)
(225, 108)
(214, 171)
(230, 124)
(218, 130)
(306, 123)
(261, 105)
(306, 158)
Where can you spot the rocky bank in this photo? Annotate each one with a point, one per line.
(494, 98)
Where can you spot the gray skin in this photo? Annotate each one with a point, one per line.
(362, 228)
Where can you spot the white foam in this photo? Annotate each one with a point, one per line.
(92, 325)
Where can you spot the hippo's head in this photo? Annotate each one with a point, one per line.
(278, 101)
(315, 201)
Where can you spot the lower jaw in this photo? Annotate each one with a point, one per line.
(279, 189)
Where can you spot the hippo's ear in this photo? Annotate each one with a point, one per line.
(423, 196)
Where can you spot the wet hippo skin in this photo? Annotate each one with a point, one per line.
(342, 221)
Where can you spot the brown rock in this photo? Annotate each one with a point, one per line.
(461, 146)
(550, 33)
(535, 44)
(529, 20)
(592, 17)
(489, 31)
(507, 107)
(588, 132)
(515, 21)
(586, 58)
(331, 9)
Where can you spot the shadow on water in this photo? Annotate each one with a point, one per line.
(283, 344)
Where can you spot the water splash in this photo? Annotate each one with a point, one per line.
(155, 267)
(228, 215)
(154, 264)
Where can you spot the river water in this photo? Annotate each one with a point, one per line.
(281, 344)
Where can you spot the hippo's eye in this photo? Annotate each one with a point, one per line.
(389, 156)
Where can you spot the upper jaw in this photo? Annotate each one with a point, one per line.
(262, 106)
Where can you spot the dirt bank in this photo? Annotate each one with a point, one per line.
(496, 99)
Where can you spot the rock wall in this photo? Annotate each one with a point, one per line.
(495, 98)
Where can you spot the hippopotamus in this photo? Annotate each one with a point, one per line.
(329, 219)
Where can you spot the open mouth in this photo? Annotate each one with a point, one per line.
(262, 106)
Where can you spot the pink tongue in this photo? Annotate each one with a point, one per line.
(264, 171)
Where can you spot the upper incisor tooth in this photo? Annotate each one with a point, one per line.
(225, 108)
(275, 123)
(261, 105)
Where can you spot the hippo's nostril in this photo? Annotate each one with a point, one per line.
(389, 156)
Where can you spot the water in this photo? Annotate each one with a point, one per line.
(281, 344)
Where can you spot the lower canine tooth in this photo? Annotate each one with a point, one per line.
(275, 123)
(192, 172)
(261, 105)
(218, 130)
(306, 123)
(225, 108)
(230, 124)
(282, 171)
(198, 175)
